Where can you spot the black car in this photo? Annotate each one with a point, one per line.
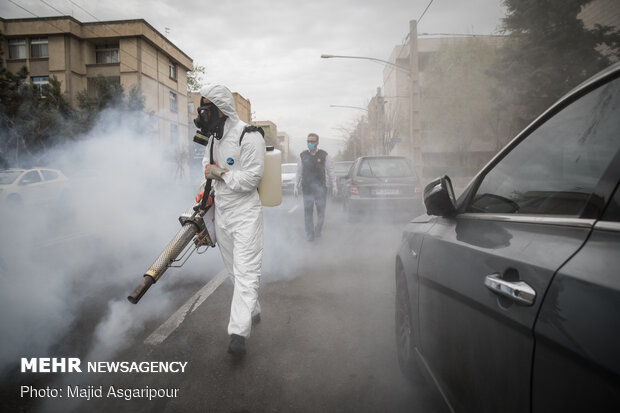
(381, 185)
(510, 296)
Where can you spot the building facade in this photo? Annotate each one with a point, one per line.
(129, 52)
(409, 135)
(271, 132)
(430, 153)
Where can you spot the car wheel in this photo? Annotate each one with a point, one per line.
(404, 327)
(14, 202)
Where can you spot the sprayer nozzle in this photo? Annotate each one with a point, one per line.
(135, 296)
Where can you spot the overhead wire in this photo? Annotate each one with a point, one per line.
(84, 10)
(462, 34)
(424, 12)
(407, 37)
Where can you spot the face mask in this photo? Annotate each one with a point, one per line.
(311, 146)
(208, 121)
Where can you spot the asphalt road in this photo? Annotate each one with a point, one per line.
(325, 342)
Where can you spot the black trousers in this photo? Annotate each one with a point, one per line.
(318, 197)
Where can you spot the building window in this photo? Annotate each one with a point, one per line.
(38, 48)
(17, 48)
(107, 53)
(172, 69)
(94, 86)
(173, 102)
(39, 81)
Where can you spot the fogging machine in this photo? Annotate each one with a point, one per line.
(197, 224)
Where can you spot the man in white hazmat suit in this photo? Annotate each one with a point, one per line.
(236, 171)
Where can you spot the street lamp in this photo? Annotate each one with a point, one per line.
(394, 65)
(350, 107)
(414, 143)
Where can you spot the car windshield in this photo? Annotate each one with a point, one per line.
(385, 168)
(8, 177)
(289, 168)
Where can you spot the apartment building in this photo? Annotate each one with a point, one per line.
(430, 153)
(433, 154)
(271, 132)
(129, 52)
(284, 142)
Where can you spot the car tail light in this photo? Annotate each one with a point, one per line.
(354, 190)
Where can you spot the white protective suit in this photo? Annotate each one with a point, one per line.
(238, 209)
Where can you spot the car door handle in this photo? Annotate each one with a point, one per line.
(517, 291)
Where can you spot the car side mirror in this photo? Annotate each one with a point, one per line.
(439, 197)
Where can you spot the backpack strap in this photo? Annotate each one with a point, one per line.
(208, 184)
(251, 128)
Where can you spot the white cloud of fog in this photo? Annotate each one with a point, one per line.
(60, 264)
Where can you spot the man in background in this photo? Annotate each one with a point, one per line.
(314, 170)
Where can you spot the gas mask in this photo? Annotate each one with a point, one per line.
(208, 121)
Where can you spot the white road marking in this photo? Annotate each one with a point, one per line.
(164, 330)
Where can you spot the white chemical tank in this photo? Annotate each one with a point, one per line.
(270, 188)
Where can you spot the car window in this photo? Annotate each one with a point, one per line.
(8, 177)
(49, 175)
(365, 169)
(555, 169)
(385, 168)
(30, 177)
(612, 213)
(342, 167)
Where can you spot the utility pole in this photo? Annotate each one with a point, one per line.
(381, 122)
(414, 109)
(376, 123)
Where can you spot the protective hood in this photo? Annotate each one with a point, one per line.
(222, 98)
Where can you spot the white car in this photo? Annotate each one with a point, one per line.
(35, 186)
(289, 172)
